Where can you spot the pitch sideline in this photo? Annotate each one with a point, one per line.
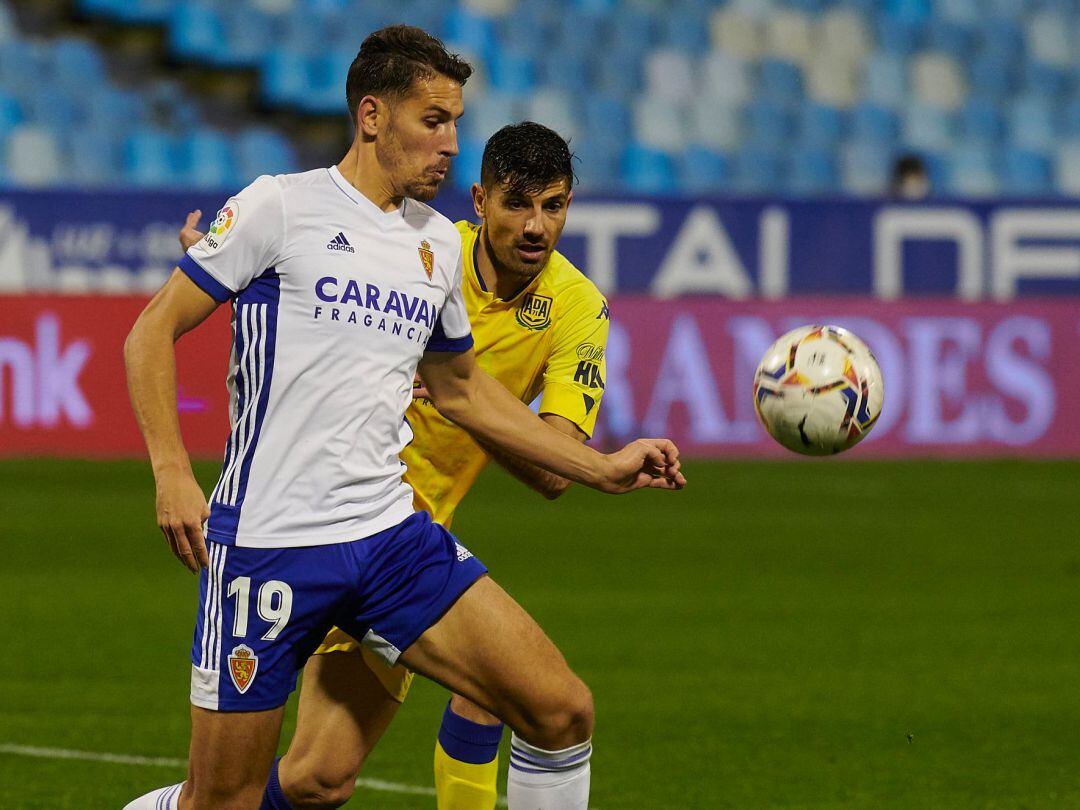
(170, 762)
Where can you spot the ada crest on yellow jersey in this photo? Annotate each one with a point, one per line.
(427, 257)
(535, 312)
(222, 225)
(243, 664)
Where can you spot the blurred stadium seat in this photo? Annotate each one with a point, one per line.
(986, 89)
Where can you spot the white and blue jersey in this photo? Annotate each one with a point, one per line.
(311, 526)
(334, 302)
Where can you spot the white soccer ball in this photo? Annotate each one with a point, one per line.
(818, 390)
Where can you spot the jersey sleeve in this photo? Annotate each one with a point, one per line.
(575, 372)
(244, 239)
(452, 332)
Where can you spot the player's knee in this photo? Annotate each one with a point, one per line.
(325, 790)
(565, 720)
(580, 713)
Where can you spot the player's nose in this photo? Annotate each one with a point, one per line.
(534, 226)
(450, 146)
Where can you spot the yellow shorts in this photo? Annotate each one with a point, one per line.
(395, 679)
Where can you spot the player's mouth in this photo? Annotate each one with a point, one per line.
(530, 252)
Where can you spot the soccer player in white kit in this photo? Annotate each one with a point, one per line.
(342, 284)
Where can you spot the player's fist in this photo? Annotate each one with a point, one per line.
(652, 463)
(190, 233)
(181, 512)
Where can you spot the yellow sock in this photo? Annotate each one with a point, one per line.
(463, 779)
(462, 785)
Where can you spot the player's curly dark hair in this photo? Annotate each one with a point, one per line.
(392, 59)
(526, 158)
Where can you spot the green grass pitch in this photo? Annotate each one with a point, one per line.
(780, 635)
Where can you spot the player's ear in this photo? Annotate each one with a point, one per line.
(569, 198)
(367, 116)
(478, 197)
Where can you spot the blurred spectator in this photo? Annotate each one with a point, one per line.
(910, 180)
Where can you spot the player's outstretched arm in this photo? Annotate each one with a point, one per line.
(469, 397)
(548, 484)
(150, 361)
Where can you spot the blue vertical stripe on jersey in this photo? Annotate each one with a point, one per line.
(262, 295)
(255, 330)
(239, 359)
(241, 382)
(250, 372)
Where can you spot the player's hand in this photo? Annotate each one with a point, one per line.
(419, 390)
(190, 233)
(181, 512)
(652, 463)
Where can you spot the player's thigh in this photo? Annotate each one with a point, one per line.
(487, 649)
(344, 709)
(237, 779)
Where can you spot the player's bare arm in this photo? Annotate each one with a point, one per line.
(150, 360)
(469, 397)
(548, 484)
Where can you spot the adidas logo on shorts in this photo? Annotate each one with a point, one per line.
(339, 242)
(462, 553)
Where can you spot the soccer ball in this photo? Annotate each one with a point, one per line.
(818, 390)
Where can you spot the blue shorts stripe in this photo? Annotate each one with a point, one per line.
(219, 609)
(209, 576)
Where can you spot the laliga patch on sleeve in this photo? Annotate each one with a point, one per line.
(222, 225)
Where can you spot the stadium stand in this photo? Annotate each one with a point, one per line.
(802, 97)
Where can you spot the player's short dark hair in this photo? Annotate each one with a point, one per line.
(526, 158)
(392, 59)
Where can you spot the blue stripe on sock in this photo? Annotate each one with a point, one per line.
(521, 757)
(466, 741)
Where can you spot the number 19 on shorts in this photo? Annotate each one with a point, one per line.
(273, 603)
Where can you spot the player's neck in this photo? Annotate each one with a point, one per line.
(504, 284)
(361, 169)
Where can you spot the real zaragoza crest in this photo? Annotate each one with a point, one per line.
(243, 664)
(427, 257)
(535, 312)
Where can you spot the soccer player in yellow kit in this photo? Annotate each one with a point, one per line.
(540, 328)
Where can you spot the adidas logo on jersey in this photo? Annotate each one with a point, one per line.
(462, 553)
(339, 242)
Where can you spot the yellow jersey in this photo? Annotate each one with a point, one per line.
(548, 340)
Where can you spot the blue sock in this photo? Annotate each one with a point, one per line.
(466, 741)
(274, 796)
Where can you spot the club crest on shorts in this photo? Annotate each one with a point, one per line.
(243, 663)
(427, 257)
(535, 312)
